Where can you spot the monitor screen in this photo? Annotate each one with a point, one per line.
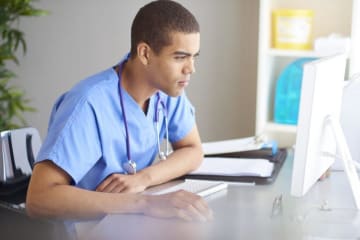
(321, 95)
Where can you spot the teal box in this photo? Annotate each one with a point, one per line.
(288, 91)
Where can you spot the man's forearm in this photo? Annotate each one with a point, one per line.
(51, 195)
(180, 162)
(68, 202)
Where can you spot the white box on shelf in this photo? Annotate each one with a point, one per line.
(332, 44)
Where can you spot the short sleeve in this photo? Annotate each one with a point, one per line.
(181, 117)
(72, 142)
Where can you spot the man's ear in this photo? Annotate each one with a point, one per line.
(143, 51)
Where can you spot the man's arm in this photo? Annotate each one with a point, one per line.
(51, 195)
(186, 157)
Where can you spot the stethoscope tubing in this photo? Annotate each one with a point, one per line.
(124, 113)
(130, 165)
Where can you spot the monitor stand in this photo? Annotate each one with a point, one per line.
(336, 223)
(345, 156)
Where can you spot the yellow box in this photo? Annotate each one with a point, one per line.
(292, 29)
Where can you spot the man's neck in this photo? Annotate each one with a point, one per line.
(133, 80)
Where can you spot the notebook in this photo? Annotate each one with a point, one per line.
(201, 187)
(257, 168)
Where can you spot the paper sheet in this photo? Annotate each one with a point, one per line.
(235, 167)
(233, 145)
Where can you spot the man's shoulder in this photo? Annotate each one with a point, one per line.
(94, 85)
(90, 89)
(98, 80)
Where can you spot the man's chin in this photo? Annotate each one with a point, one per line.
(175, 93)
(178, 93)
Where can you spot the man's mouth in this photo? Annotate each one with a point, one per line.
(183, 82)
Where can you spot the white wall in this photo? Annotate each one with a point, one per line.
(81, 37)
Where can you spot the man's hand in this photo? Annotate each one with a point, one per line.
(180, 204)
(121, 183)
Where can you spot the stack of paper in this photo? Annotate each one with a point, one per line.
(242, 159)
(233, 145)
(235, 167)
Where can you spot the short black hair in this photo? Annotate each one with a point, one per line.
(155, 21)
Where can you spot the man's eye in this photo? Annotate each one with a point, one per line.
(180, 57)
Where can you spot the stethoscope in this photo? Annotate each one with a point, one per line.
(130, 165)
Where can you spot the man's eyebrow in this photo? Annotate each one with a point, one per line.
(186, 53)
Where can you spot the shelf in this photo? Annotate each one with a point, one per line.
(296, 53)
(284, 134)
(343, 18)
(278, 127)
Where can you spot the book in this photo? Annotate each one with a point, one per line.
(257, 167)
(258, 170)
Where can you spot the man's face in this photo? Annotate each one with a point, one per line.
(170, 70)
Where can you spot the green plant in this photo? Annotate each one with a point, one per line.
(12, 99)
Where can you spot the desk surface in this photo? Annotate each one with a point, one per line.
(245, 212)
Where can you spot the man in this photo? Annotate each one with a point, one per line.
(101, 140)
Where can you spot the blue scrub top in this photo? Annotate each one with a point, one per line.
(86, 134)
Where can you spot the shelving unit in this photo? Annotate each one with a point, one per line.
(294, 53)
(342, 17)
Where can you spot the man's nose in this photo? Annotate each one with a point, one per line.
(190, 66)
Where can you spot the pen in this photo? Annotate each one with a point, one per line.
(276, 209)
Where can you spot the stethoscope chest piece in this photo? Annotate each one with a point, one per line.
(129, 167)
(162, 156)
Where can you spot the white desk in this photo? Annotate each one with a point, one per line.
(244, 212)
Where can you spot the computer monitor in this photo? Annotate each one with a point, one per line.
(319, 134)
